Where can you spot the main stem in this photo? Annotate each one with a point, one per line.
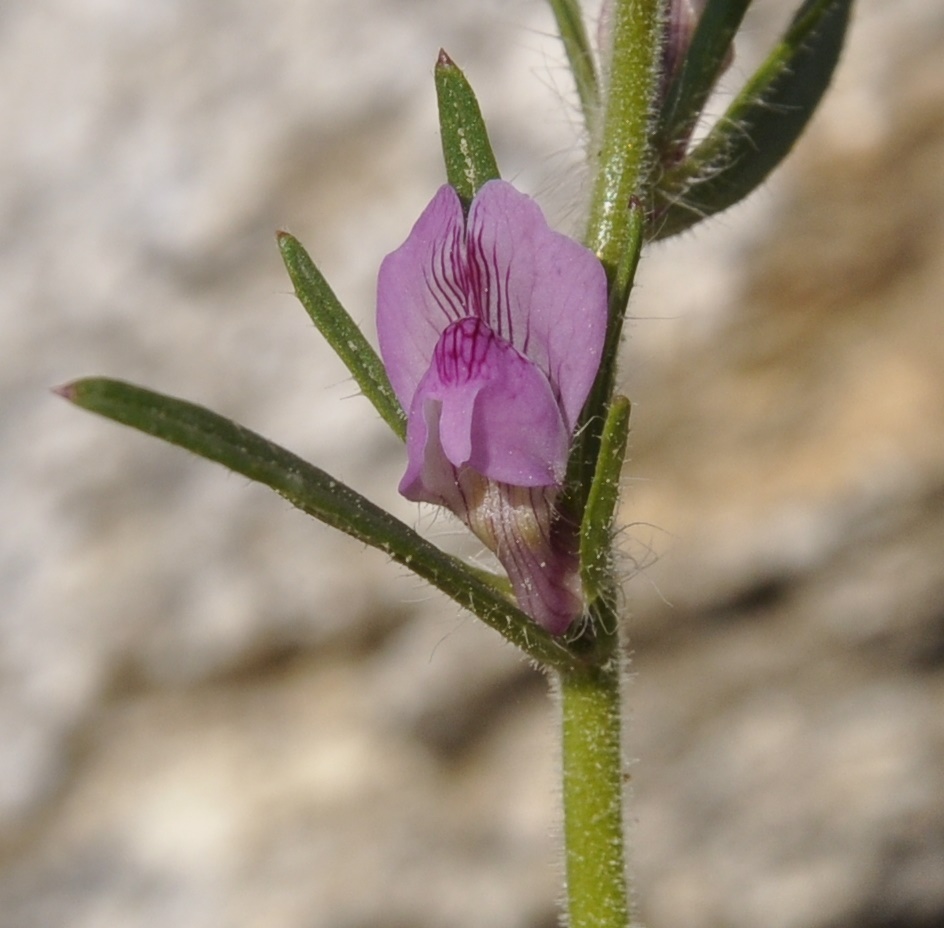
(597, 891)
(624, 157)
(619, 198)
(597, 884)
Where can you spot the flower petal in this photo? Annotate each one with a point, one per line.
(532, 544)
(488, 408)
(540, 290)
(429, 477)
(420, 291)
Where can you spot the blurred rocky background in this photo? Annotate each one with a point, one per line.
(215, 713)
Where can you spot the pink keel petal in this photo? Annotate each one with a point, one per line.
(429, 477)
(494, 412)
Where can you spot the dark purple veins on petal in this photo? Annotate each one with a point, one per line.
(445, 277)
(461, 352)
(489, 281)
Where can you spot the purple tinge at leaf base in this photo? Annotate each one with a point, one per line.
(491, 328)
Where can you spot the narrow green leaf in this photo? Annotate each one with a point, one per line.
(466, 148)
(341, 332)
(761, 125)
(700, 67)
(313, 491)
(573, 34)
(596, 529)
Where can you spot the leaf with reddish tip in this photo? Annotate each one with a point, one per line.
(467, 151)
(310, 489)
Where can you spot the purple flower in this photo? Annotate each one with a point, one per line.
(491, 328)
